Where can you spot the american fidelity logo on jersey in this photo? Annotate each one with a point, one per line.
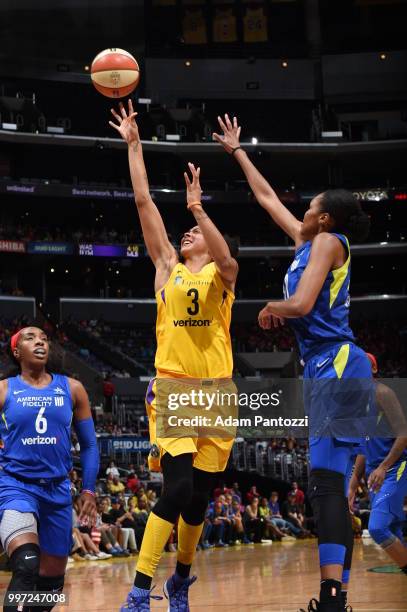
(59, 401)
(37, 402)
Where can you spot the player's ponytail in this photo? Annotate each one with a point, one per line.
(347, 214)
(233, 243)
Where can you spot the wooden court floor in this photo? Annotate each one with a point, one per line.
(277, 578)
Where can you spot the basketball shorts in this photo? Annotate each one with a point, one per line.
(180, 423)
(338, 398)
(50, 503)
(390, 498)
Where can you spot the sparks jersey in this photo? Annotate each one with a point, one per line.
(328, 322)
(193, 320)
(35, 427)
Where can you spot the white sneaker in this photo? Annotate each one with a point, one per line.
(70, 560)
(102, 555)
(265, 541)
(90, 557)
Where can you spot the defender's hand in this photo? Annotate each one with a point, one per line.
(231, 134)
(126, 123)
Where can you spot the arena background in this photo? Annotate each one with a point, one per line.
(320, 89)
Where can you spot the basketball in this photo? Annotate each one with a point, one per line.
(115, 73)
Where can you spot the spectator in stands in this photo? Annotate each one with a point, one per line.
(132, 483)
(221, 525)
(236, 494)
(140, 516)
(252, 494)
(221, 490)
(143, 472)
(277, 518)
(271, 528)
(299, 495)
(115, 486)
(76, 486)
(234, 515)
(112, 469)
(152, 498)
(92, 552)
(251, 520)
(108, 539)
(108, 392)
(293, 514)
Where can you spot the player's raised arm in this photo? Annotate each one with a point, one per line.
(264, 193)
(159, 247)
(217, 245)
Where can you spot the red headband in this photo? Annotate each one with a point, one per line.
(14, 339)
(372, 360)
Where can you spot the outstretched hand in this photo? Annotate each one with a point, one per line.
(194, 191)
(231, 134)
(126, 123)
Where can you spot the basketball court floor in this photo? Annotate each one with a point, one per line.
(281, 577)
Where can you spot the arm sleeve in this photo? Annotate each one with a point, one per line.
(85, 430)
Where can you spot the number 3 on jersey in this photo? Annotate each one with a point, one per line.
(193, 311)
(41, 423)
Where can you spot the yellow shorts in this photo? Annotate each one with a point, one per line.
(210, 444)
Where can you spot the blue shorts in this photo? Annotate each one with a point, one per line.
(338, 387)
(50, 503)
(388, 502)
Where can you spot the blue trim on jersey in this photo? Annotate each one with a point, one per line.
(35, 428)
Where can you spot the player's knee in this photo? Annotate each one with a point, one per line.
(25, 566)
(379, 530)
(194, 513)
(181, 492)
(324, 482)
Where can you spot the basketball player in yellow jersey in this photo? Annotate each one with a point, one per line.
(194, 302)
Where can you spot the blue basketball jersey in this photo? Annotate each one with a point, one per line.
(35, 428)
(378, 446)
(328, 322)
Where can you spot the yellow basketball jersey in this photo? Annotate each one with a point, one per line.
(194, 27)
(224, 26)
(193, 319)
(255, 25)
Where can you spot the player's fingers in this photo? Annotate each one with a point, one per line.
(187, 181)
(131, 109)
(114, 125)
(228, 123)
(122, 110)
(133, 115)
(239, 129)
(235, 122)
(218, 138)
(222, 125)
(198, 172)
(115, 115)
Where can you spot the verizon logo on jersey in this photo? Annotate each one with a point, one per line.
(191, 322)
(39, 440)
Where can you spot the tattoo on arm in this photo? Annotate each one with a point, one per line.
(135, 146)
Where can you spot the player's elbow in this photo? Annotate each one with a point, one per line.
(302, 307)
